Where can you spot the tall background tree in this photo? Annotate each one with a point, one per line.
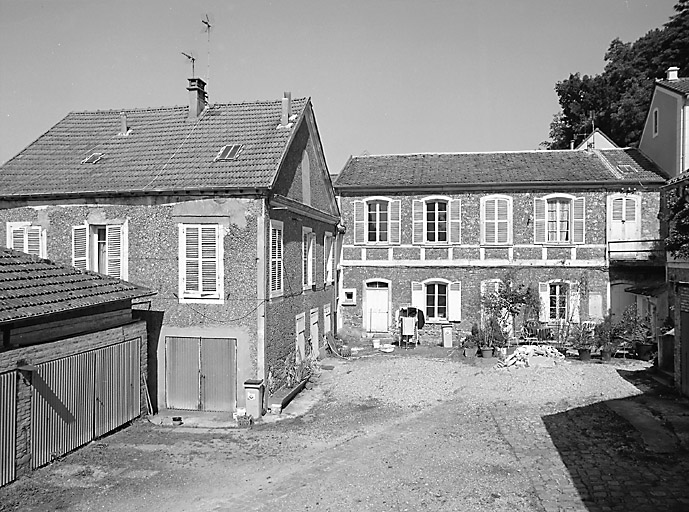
(617, 100)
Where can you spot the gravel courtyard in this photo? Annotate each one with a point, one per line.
(413, 430)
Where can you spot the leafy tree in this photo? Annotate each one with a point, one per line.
(617, 100)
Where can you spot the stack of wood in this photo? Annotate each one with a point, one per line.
(531, 355)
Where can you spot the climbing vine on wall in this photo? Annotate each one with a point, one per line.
(677, 242)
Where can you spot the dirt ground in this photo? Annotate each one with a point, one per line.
(412, 430)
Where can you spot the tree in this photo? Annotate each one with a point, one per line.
(617, 100)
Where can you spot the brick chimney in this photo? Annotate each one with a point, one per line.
(197, 97)
(286, 108)
(672, 73)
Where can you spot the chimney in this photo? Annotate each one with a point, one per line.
(672, 73)
(123, 123)
(197, 97)
(286, 108)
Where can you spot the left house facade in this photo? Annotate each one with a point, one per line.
(72, 359)
(226, 210)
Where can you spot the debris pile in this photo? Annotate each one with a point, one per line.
(528, 355)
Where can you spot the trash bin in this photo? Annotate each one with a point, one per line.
(253, 389)
(447, 335)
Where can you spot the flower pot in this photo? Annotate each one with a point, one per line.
(470, 351)
(486, 352)
(644, 351)
(606, 355)
(584, 354)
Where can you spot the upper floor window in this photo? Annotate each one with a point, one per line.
(656, 126)
(276, 261)
(437, 220)
(439, 299)
(496, 220)
(377, 221)
(559, 219)
(24, 237)
(102, 248)
(328, 259)
(623, 217)
(200, 263)
(308, 239)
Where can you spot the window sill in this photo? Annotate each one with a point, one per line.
(497, 246)
(201, 300)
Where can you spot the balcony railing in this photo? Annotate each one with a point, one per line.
(637, 251)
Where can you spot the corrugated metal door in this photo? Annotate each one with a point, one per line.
(182, 372)
(118, 386)
(218, 370)
(8, 414)
(61, 407)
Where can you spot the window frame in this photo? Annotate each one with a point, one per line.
(307, 256)
(655, 122)
(361, 222)
(453, 221)
(200, 296)
(26, 227)
(508, 221)
(453, 303)
(85, 255)
(577, 220)
(328, 258)
(276, 259)
(572, 301)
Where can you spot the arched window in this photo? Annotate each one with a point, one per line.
(377, 221)
(439, 299)
(496, 220)
(437, 220)
(559, 219)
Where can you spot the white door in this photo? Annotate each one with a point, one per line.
(314, 332)
(377, 306)
(624, 223)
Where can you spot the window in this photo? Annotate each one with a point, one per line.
(377, 221)
(308, 238)
(200, 263)
(439, 299)
(655, 122)
(306, 178)
(349, 297)
(101, 248)
(623, 220)
(276, 262)
(24, 237)
(496, 220)
(559, 301)
(328, 259)
(92, 158)
(230, 152)
(436, 221)
(559, 220)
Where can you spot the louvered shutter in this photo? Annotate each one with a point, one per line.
(630, 210)
(33, 240)
(417, 298)
(574, 302)
(17, 239)
(454, 313)
(578, 226)
(395, 214)
(80, 247)
(275, 259)
(617, 209)
(209, 259)
(539, 224)
(359, 222)
(455, 221)
(417, 220)
(544, 295)
(114, 250)
(192, 264)
(488, 229)
(502, 221)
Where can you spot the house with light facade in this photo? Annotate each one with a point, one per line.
(439, 231)
(226, 210)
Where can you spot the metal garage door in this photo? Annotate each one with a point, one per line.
(201, 373)
(8, 414)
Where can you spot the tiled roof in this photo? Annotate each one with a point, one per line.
(471, 169)
(33, 287)
(163, 152)
(681, 85)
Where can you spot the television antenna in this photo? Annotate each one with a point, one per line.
(207, 28)
(191, 57)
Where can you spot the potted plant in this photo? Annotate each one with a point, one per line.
(636, 329)
(607, 337)
(580, 338)
(470, 343)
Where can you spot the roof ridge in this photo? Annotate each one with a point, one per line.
(517, 151)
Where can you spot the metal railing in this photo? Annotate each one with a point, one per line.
(637, 250)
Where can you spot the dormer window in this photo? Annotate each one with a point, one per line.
(229, 152)
(92, 158)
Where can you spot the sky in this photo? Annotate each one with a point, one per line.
(384, 76)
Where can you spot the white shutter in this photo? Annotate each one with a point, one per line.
(359, 222)
(488, 231)
(417, 298)
(455, 221)
(209, 259)
(80, 247)
(395, 214)
(617, 210)
(17, 239)
(417, 220)
(544, 295)
(578, 221)
(276, 259)
(33, 240)
(539, 224)
(113, 250)
(191, 263)
(574, 302)
(630, 210)
(454, 300)
(503, 221)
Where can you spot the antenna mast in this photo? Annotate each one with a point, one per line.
(207, 28)
(192, 59)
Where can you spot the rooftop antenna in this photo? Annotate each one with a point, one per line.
(191, 57)
(207, 27)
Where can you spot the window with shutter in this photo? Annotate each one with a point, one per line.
(328, 258)
(24, 237)
(559, 220)
(276, 262)
(377, 221)
(496, 224)
(440, 300)
(308, 238)
(436, 220)
(200, 259)
(101, 248)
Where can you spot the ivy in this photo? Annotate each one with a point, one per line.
(677, 242)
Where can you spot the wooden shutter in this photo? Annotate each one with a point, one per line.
(359, 222)
(417, 219)
(33, 240)
(454, 302)
(275, 259)
(544, 295)
(502, 221)
(17, 239)
(539, 224)
(209, 259)
(455, 221)
(191, 261)
(80, 247)
(574, 302)
(578, 227)
(114, 250)
(417, 298)
(395, 214)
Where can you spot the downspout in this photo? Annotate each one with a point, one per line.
(261, 296)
